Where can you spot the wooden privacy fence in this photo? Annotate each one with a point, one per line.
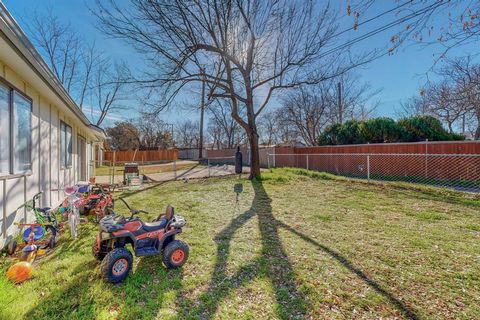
(141, 156)
(453, 164)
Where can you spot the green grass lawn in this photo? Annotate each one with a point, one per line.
(296, 245)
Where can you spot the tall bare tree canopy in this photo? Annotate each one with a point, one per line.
(86, 73)
(249, 49)
(454, 98)
(307, 111)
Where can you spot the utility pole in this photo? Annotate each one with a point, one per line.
(202, 111)
(340, 107)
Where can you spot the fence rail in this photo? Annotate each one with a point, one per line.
(458, 171)
(141, 156)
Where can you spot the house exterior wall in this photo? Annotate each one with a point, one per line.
(46, 175)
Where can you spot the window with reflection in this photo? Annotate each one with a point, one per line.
(65, 145)
(22, 134)
(15, 131)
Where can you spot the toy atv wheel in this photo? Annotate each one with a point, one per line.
(116, 265)
(175, 254)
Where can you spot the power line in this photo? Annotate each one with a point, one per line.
(383, 28)
(371, 19)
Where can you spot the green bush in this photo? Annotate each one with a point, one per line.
(379, 130)
(420, 128)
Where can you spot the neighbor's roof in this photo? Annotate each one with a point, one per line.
(11, 31)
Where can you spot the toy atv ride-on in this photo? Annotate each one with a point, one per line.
(146, 238)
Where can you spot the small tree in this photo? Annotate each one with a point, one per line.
(123, 136)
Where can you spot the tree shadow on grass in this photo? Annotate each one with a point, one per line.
(273, 264)
(399, 305)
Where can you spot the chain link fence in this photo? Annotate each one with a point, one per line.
(457, 171)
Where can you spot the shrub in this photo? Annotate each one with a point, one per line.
(420, 128)
(378, 130)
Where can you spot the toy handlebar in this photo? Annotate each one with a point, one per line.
(37, 195)
(30, 204)
(132, 210)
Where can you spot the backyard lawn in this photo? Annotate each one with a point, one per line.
(295, 245)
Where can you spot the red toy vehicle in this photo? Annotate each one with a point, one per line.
(97, 201)
(146, 238)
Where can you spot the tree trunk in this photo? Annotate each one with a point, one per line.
(254, 155)
(202, 112)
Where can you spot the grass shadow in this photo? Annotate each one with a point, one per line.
(273, 264)
(399, 305)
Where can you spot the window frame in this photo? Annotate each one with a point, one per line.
(9, 140)
(64, 158)
(12, 90)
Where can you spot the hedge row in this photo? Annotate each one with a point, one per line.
(380, 130)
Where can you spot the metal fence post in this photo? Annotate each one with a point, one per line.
(307, 162)
(426, 158)
(208, 164)
(274, 158)
(368, 167)
(175, 169)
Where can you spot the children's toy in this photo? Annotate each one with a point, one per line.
(39, 235)
(19, 272)
(70, 209)
(97, 200)
(146, 238)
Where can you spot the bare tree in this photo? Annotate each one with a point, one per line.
(249, 49)
(186, 134)
(268, 128)
(59, 44)
(464, 75)
(357, 98)
(454, 99)
(414, 106)
(154, 133)
(286, 132)
(225, 130)
(109, 84)
(307, 110)
(83, 70)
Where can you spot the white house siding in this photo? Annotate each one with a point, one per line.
(46, 174)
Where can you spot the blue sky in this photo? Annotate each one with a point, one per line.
(399, 76)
